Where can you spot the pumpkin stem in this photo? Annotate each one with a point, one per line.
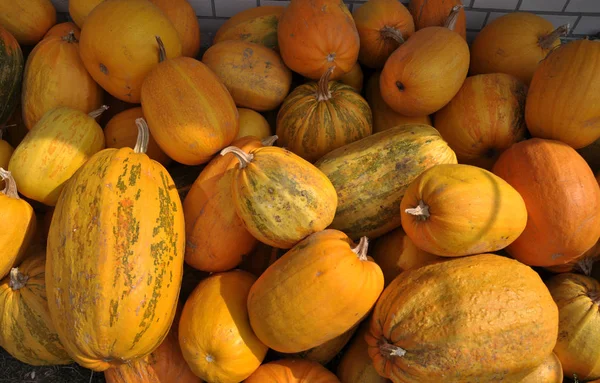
(323, 93)
(546, 42)
(17, 280)
(70, 37)
(269, 141)
(389, 350)
(98, 112)
(10, 186)
(421, 211)
(392, 33)
(242, 156)
(362, 248)
(141, 145)
(453, 17)
(162, 52)
(585, 265)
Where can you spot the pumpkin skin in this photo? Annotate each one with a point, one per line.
(52, 67)
(255, 75)
(316, 269)
(443, 295)
(514, 44)
(486, 117)
(26, 330)
(80, 9)
(372, 174)
(577, 299)
(317, 118)
(256, 25)
(252, 124)
(11, 62)
(354, 78)
(292, 371)
(59, 144)
(183, 17)
(6, 151)
(582, 264)
(135, 242)
(63, 29)
(190, 113)
(118, 45)
(306, 43)
(570, 115)
(325, 352)
(562, 199)
(431, 13)
(27, 20)
(383, 25)
(550, 371)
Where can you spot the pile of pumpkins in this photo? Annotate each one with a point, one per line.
(254, 213)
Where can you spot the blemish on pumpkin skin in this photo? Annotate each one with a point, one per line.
(556, 255)
(103, 69)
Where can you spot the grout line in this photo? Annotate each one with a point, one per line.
(566, 5)
(214, 8)
(258, 3)
(486, 20)
(574, 26)
(554, 13)
(518, 5)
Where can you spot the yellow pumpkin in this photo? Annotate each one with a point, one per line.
(354, 78)
(253, 124)
(183, 17)
(6, 151)
(326, 352)
(80, 9)
(27, 20)
(550, 371)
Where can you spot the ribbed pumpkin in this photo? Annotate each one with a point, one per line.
(486, 117)
(63, 29)
(562, 199)
(486, 331)
(255, 75)
(118, 45)
(26, 330)
(317, 118)
(372, 174)
(18, 224)
(383, 25)
(256, 25)
(292, 371)
(564, 94)
(578, 300)
(11, 62)
(334, 285)
(326, 352)
(432, 13)
(61, 142)
(550, 371)
(51, 70)
(354, 78)
(514, 44)
(216, 338)
(27, 20)
(306, 41)
(118, 223)
(6, 151)
(385, 117)
(183, 17)
(80, 9)
(252, 124)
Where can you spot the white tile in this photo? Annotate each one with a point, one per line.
(274, 2)
(558, 20)
(494, 16)
(583, 6)
(475, 19)
(61, 5)
(228, 8)
(202, 7)
(543, 5)
(496, 4)
(588, 25)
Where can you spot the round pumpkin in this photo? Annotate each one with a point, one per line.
(80, 9)
(252, 123)
(383, 25)
(582, 264)
(27, 20)
(425, 72)
(326, 352)
(317, 118)
(11, 62)
(562, 199)
(493, 311)
(59, 144)
(306, 41)
(578, 300)
(432, 13)
(292, 371)
(51, 70)
(118, 45)
(324, 304)
(183, 17)
(354, 78)
(63, 29)
(255, 25)
(6, 151)
(564, 92)
(514, 44)
(550, 371)
(255, 75)
(486, 117)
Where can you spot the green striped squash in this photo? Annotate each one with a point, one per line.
(11, 71)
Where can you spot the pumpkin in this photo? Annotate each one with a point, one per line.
(80, 9)
(26, 330)
(118, 45)
(276, 209)
(435, 13)
(426, 72)
(6, 151)
(129, 236)
(577, 297)
(385, 117)
(27, 20)
(18, 224)
(324, 265)
(292, 371)
(252, 124)
(591, 154)
(121, 131)
(486, 117)
(326, 352)
(59, 144)
(183, 17)
(487, 331)
(383, 25)
(63, 29)
(514, 44)
(562, 199)
(550, 371)
(306, 43)
(260, 259)
(255, 75)
(255, 25)
(317, 118)
(354, 78)
(11, 62)
(582, 264)
(52, 67)
(372, 174)
(189, 110)
(564, 92)
(216, 338)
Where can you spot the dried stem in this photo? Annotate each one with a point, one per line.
(17, 280)
(546, 42)
(162, 52)
(453, 17)
(141, 145)
(392, 33)
(70, 37)
(98, 112)
(323, 93)
(362, 248)
(269, 141)
(389, 350)
(10, 186)
(421, 211)
(242, 156)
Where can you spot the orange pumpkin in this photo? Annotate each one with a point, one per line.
(27, 20)
(582, 264)
(514, 44)
(6, 151)
(431, 13)
(183, 17)
(63, 29)
(80, 9)
(550, 371)
(562, 102)
(486, 117)
(354, 78)
(383, 25)
(306, 41)
(324, 353)
(256, 25)
(562, 199)
(292, 371)
(252, 124)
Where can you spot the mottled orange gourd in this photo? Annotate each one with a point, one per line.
(292, 371)
(80, 9)
(185, 21)
(256, 25)
(27, 20)
(63, 29)
(550, 371)
(430, 13)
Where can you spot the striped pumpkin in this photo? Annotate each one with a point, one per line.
(11, 62)
(256, 25)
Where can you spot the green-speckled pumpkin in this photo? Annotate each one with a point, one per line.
(11, 71)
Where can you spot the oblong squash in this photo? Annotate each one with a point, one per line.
(371, 175)
(27, 20)
(354, 78)
(63, 29)
(435, 13)
(324, 265)
(292, 371)
(550, 371)
(326, 352)
(252, 124)
(256, 25)
(80, 9)
(183, 17)
(11, 62)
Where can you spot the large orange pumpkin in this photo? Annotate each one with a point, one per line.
(27, 20)
(562, 199)
(431, 13)
(306, 41)
(550, 371)
(183, 17)
(256, 25)
(292, 371)
(63, 29)
(562, 102)
(80, 9)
